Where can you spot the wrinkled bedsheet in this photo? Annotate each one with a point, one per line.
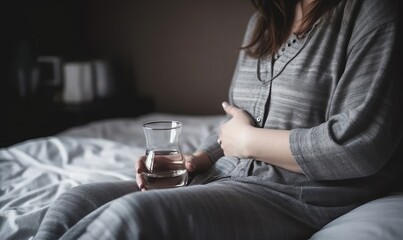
(34, 173)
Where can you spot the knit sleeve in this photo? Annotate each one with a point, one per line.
(211, 147)
(363, 126)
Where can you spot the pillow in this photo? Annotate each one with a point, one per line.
(378, 219)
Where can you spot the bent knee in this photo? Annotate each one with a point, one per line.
(146, 215)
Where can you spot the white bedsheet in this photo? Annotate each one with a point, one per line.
(35, 172)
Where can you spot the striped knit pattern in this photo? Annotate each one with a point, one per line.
(333, 89)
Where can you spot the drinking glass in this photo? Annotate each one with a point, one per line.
(165, 165)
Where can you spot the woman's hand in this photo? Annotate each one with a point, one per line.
(140, 166)
(238, 137)
(233, 134)
(197, 162)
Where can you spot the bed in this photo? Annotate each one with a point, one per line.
(34, 173)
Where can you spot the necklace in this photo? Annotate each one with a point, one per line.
(264, 76)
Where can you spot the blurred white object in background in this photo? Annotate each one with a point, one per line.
(103, 79)
(78, 83)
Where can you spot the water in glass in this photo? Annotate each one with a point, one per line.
(165, 165)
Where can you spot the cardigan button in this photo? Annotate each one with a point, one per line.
(258, 119)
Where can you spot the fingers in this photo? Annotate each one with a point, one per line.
(139, 170)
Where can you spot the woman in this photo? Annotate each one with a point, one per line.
(313, 132)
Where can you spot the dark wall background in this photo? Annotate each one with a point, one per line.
(33, 28)
(180, 53)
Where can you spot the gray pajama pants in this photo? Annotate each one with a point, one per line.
(224, 208)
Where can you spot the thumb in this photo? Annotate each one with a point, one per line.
(191, 163)
(229, 109)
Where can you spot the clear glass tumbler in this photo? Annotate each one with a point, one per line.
(165, 165)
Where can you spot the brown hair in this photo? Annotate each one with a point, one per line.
(275, 20)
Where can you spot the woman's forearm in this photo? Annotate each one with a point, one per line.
(270, 146)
